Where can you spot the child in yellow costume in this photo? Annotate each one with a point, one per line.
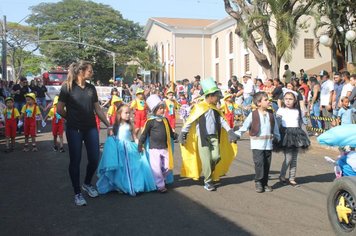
(205, 139)
(228, 106)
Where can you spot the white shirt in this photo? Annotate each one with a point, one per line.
(290, 117)
(266, 135)
(346, 88)
(326, 88)
(248, 88)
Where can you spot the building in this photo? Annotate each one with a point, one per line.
(188, 47)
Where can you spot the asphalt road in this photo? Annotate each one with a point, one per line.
(36, 198)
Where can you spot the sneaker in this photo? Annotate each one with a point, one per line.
(259, 188)
(268, 189)
(208, 186)
(7, 150)
(79, 200)
(55, 148)
(39, 131)
(90, 190)
(62, 149)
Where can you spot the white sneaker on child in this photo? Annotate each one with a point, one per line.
(330, 160)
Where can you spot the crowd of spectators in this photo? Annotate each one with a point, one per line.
(320, 95)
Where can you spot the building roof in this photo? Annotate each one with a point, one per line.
(188, 25)
(184, 22)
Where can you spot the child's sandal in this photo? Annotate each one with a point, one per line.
(293, 183)
(282, 180)
(162, 190)
(26, 149)
(34, 148)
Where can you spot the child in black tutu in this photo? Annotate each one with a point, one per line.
(293, 137)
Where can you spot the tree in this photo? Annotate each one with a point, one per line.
(148, 60)
(21, 46)
(87, 23)
(257, 20)
(335, 18)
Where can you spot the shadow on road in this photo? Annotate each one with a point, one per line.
(37, 199)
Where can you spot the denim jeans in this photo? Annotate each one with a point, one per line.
(75, 138)
(42, 102)
(316, 112)
(247, 102)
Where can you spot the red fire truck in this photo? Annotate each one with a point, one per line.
(55, 76)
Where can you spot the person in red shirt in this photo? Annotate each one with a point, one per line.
(11, 114)
(304, 85)
(140, 108)
(170, 110)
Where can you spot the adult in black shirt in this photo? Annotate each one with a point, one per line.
(19, 90)
(81, 102)
(41, 92)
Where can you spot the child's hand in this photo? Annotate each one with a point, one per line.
(182, 138)
(110, 131)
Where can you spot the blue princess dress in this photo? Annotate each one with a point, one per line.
(122, 167)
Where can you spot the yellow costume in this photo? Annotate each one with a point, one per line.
(191, 163)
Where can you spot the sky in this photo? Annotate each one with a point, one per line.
(135, 10)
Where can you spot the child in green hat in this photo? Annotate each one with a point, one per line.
(206, 138)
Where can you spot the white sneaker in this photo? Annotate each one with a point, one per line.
(330, 160)
(90, 190)
(79, 200)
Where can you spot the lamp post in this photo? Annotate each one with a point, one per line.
(4, 50)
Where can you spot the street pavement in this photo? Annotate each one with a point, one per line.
(36, 198)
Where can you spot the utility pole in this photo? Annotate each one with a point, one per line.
(4, 50)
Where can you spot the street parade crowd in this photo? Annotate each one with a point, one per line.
(279, 115)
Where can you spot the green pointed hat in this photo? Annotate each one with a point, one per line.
(209, 86)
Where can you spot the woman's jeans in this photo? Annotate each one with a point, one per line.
(75, 138)
(316, 112)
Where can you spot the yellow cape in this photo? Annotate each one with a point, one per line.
(191, 163)
(169, 142)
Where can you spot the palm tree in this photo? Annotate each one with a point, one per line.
(148, 60)
(258, 20)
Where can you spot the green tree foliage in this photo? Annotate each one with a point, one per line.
(87, 23)
(335, 18)
(21, 45)
(257, 21)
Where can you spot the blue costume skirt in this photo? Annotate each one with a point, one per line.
(123, 168)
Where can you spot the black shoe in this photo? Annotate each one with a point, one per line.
(61, 149)
(268, 189)
(210, 187)
(259, 187)
(55, 148)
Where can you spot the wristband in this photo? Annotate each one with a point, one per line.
(109, 127)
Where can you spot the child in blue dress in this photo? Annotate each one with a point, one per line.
(122, 167)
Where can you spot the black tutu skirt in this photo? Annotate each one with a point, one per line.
(292, 138)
